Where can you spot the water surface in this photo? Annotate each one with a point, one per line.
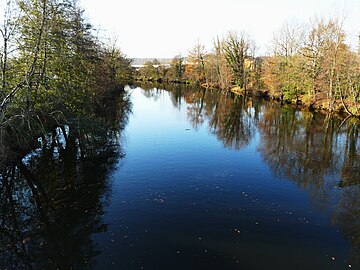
(196, 180)
(214, 181)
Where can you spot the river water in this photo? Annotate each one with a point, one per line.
(204, 180)
(214, 181)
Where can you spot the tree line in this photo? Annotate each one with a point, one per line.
(308, 64)
(54, 69)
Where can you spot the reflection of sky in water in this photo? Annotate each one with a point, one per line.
(180, 200)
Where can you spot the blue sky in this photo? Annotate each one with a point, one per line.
(163, 28)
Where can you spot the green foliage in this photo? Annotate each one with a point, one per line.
(177, 68)
(58, 64)
(236, 51)
(151, 69)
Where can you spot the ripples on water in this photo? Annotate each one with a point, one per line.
(197, 180)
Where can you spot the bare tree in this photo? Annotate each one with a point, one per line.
(196, 65)
(287, 40)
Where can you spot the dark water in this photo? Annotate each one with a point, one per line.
(196, 180)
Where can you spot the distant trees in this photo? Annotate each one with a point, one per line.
(154, 70)
(177, 68)
(231, 62)
(151, 69)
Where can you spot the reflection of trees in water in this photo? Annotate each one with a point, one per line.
(347, 217)
(195, 107)
(153, 93)
(350, 172)
(347, 214)
(318, 153)
(232, 121)
(307, 147)
(230, 117)
(52, 201)
(155, 90)
(297, 146)
(293, 146)
(177, 92)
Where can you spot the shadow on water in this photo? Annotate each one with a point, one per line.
(320, 153)
(52, 200)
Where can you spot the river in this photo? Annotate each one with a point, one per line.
(198, 180)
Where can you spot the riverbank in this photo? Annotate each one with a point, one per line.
(319, 103)
(160, 80)
(301, 102)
